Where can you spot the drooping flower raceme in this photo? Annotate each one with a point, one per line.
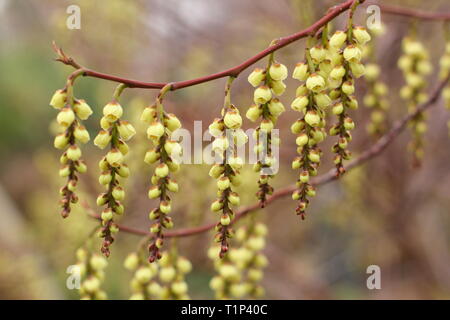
(266, 108)
(239, 273)
(114, 134)
(346, 48)
(311, 101)
(415, 65)
(71, 112)
(166, 154)
(90, 267)
(228, 138)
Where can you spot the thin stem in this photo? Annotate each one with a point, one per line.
(234, 72)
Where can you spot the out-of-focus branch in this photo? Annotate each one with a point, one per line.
(232, 72)
(413, 13)
(368, 154)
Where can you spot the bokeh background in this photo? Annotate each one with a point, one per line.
(384, 213)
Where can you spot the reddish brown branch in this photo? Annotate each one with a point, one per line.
(234, 72)
(413, 13)
(368, 154)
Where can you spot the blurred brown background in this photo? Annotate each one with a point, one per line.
(384, 213)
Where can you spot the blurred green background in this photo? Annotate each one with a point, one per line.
(384, 213)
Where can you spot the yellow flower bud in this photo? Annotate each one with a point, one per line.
(167, 274)
(73, 153)
(102, 139)
(173, 167)
(315, 83)
(302, 139)
(179, 288)
(165, 207)
(338, 72)
(300, 103)
(173, 148)
(98, 262)
(240, 137)
(253, 113)
(220, 144)
(126, 130)
(107, 214)
(338, 108)
(123, 171)
(149, 114)
(216, 206)
(82, 109)
(59, 99)
(162, 170)
(183, 265)
(349, 124)
(358, 69)
(113, 111)
(361, 35)
(155, 130)
(352, 103)
(338, 39)
(61, 141)
(266, 125)
(276, 107)
(225, 220)
(216, 284)
(123, 147)
(216, 170)
(172, 122)
(301, 71)
(65, 117)
(236, 162)
(114, 157)
(278, 71)
(232, 119)
(81, 134)
(348, 87)
(256, 243)
(143, 275)
(91, 284)
(352, 53)
(424, 67)
(154, 192)
(105, 178)
(322, 100)
(312, 118)
(318, 53)
(172, 185)
(118, 193)
(223, 183)
(297, 126)
(151, 156)
(262, 95)
(256, 77)
(278, 87)
(372, 71)
(234, 199)
(229, 271)
(104, 123)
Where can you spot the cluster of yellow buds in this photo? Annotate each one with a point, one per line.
(444, 63)
(114, 133)
(228, 138)
(162, 280)
(346, 51)
(375, 99)
(266, 108)
(376, 92)
(173, 269)
(71, 112)
(91, 270)
(166, 153)
(239, 273)
(311, 101)
(415, 65)
(143, 285)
